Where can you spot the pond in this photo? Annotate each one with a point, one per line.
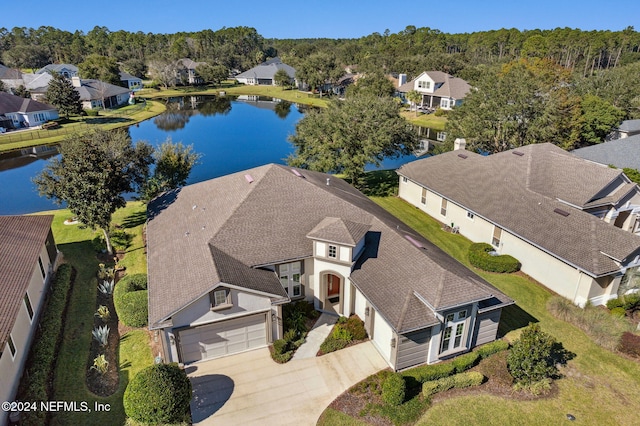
(232, 134)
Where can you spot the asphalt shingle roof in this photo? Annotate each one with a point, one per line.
(230, 227)
(12, 103)
(267, 70)
(21, 240)
(620, 153)
(97, 90)
(520, 194)
(446, 85)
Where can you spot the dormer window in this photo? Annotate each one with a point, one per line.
(333, 251)
(220, 299)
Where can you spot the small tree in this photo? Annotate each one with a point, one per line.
(62, 95)
(414, 97)
(160, 393)
(212, 73)
(534, 355)
(281, 78)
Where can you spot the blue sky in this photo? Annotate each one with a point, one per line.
(324, 18)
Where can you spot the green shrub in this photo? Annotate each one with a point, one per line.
(331, 344)
(631, 301)
(98, 243)
(130, 299)
(467, 379)
(464, 362)
(462, 380)
(480, 258)
(430, 388)
(283, 357)
(426, 373)
(393, 390)
(341, 333)
(290, 335)
(491, 348)
(280, 346)
(355, 326)
(618, 312)
(160, 393)
(91, 112)
(614, 303)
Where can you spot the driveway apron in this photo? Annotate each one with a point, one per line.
(251, 389)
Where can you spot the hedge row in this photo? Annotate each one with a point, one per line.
(394, 389)
(462, 380)
(494, 347)
(130, 300)
(480, 258)
(42, 356)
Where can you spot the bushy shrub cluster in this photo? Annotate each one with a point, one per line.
(394, 389)
(461, 380)
(464, 362)
(283, 349)
(628, 302)
(605, 329)
(130, 300)
(489, 349)
(344, 332)
(427, 373)
(160, 393)
(295, 315)
(480, 258)
(630, 344)
(43, 351)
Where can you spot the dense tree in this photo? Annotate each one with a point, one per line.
(319, 69)
(93, 173)
(598, 119)
(26, 56)
(136, 67)
(374, 84)
(100, 68)
(214, 74)
(350, 134)
(165, 71)
(173, 164)
(282, 78)
(22, 92)
(62, 95)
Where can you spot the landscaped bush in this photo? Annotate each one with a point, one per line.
(283, 349)
(630, 344)
(458, 381)
(491, 348)
(160, 393)
(331, 344)
(480, 258)
(296, 314)
(355, 326)
(130, 300)
(394, 389)
(91, 112)
(464, 362)
(618, 312)
(614, 303)
(427, 373)
(631, 301)
(346, 330)
(341, 333)
(43, 351)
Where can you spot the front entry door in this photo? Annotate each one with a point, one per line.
(333, 286)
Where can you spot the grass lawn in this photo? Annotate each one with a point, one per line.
(108, 119)
(134, 350)
(425, 120)
(599, 387)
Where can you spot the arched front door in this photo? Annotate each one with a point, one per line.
(333, 286)
(333, 292)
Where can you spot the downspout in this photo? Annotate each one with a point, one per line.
(577, 287)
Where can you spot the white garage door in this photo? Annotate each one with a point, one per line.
(223, 338)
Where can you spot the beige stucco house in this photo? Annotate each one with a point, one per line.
(438, 89)
(572, 223)
(226, 254)
(27, 257)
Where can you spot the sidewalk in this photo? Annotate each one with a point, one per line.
(316, 336)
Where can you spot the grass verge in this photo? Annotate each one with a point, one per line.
(134, 351)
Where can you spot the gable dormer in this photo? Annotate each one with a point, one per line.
(424, 83)
(338, 240)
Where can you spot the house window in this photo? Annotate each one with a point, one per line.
(444, 103)
(404, 179)
(333, 251)
(41, 267)
(454, 328)
(12, 347)
(470, 215)
(424, 84)
(443, 207)
(423, 197)
(27, 304)
(290, 278)
(220, 299)
(497, 235)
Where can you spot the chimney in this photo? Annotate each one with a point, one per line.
(402, 79)
(459, 144)
(76, 81)
(328, 180)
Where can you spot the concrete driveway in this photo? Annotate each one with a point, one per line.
(251, 389)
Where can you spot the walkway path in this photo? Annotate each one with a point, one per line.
(316, 336)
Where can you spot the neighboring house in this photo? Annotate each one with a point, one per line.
(188, 74)
(131, 82)
(438, 89)
(66, 70)
(37, 85)
(27, 258)
(621, 153)
(11, 78)
(226, 254)
(264, 73)
(573, 224)
(627, 128)
(25, 112)
(98, 94)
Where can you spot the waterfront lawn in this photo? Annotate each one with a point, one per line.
(425, 120)
(134, 351)
(597, 387)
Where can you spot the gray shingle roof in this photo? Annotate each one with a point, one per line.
(22, 239)
(9, 73)
(620, 153)
(449, 86)
(267, 70)
(336, 230)
(96, 90)
(58, 68)
(519, 194)
(210, 231)
(630, 126)
(11, 103)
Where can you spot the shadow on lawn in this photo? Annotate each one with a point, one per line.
(514, 317)
(135, 219)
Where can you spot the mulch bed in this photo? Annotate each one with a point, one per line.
(104, 384)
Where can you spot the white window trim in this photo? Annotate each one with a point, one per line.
(288, 273)
(458, 318)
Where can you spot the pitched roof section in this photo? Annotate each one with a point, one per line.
(509, 190)
(630, 126)
(336, 230)
(97, 90)
(21, 240)
(446, 85)
(58, 68)
(7, 73)
(12, 103)
(620, 153)
(223, 228)
(267, 70)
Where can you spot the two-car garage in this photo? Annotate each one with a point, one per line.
(222, 338)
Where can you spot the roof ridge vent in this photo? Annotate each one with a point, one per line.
(561, 212)
(518, 153)
(463, 156)
(249, 178)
